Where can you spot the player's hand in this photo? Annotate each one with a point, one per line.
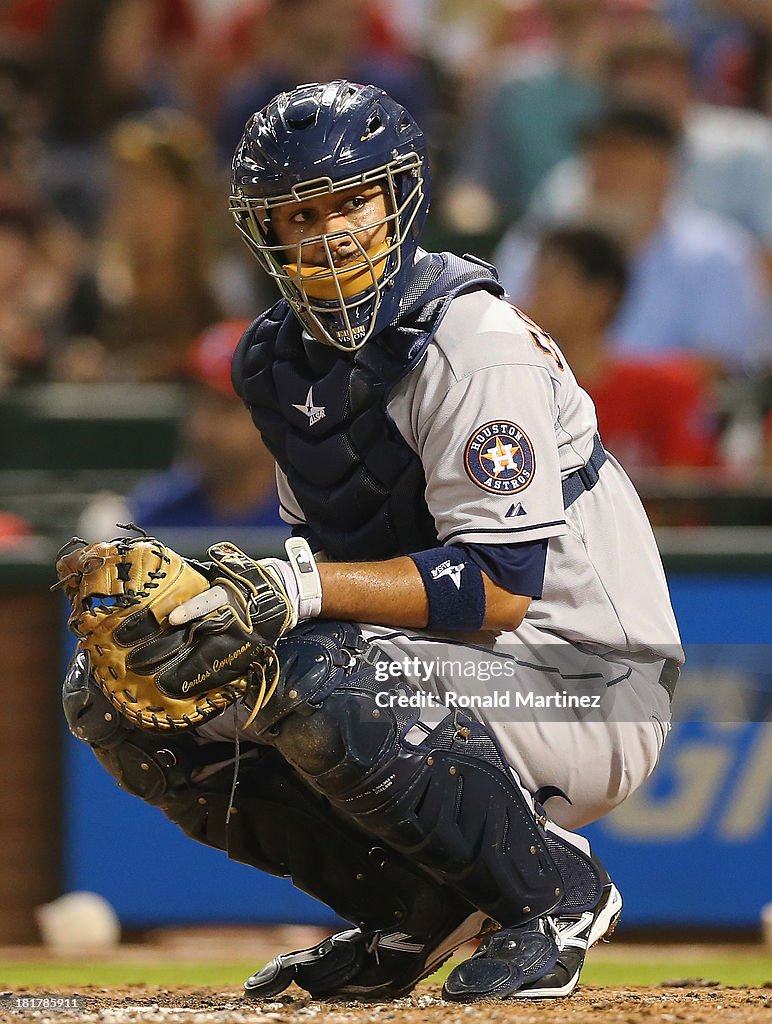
(296, 579)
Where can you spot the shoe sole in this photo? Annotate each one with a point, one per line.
(606, 920)
(603, 925)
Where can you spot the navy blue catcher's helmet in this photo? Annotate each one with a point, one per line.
(315, 140)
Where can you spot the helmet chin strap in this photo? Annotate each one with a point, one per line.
(323, 282)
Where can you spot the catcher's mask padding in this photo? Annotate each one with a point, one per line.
(449, 802)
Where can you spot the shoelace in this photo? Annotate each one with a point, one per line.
(372, 947)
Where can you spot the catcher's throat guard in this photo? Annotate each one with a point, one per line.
(160, 675)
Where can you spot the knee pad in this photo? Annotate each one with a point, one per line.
(444, 797)
(90, 715)
(148, 765)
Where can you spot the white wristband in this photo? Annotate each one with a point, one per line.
(309, 583)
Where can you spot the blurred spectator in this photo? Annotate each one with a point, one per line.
(24, 27)
(461, 37)
(43, 284)
(20, 147)
(224, 476)
(758, 19)
(525, 120)
(41, 292)
(155, 285)
(729, 43)
(726, 153)
(696, 280)
(21, 341)
(106, 59)
(651, 413)
(292, 41)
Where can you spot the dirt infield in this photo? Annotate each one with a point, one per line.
(589, 1005)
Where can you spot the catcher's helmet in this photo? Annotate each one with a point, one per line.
(316, 140)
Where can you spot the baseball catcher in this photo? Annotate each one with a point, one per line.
(459, 534)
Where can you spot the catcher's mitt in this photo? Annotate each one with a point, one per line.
(162, 676)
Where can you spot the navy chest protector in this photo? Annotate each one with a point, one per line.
(322, 414)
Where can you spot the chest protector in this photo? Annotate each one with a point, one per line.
(322, 414)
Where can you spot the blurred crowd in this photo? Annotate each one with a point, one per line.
(613, 158)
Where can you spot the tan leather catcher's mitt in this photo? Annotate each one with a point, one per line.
(163, 677)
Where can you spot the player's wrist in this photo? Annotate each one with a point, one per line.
(272, 592)
(299, 577)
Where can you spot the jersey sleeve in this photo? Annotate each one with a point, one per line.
(518, 568)
(289, 508)
(490, 457)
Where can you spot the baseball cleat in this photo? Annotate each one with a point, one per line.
(359, 964)
(573, 937)
(541, 960)
(505, 962)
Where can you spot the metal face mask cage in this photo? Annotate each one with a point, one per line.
(348, 317)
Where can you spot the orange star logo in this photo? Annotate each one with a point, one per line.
(502, 456)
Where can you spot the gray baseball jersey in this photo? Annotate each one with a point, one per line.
(498, 420)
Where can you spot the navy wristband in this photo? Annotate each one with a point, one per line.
(454, 586)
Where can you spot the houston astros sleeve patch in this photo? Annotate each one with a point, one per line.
(499, 458)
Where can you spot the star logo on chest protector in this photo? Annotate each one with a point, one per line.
(314, 412)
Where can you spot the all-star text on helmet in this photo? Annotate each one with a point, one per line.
(318, 140)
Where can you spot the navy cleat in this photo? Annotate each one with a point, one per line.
(573, 937)
(505, 962)
(540, 960)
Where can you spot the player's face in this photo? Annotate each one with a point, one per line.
(355, 212)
